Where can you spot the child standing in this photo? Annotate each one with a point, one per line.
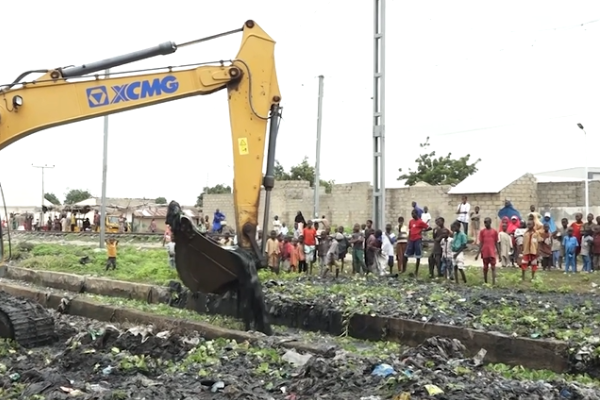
(586, 244)
(416, 227)
(556, 248)
(446, 264)
(333, 252)
(272, 250)
(531, 242)
(111, 252)
(570, 245)
(301, 255)
(459, 245)
(324, 241)
(519, 233)
(294, 255)
(440, 232)
(545, 248)
(506, 245)
(563, 230)
(488, 247)
(286, 251)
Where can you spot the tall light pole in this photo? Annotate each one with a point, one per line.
(318, 160)
(379, 114)
(104, 172)
(587, 184)
(42, 167)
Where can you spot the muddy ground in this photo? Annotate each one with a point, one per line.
(92, 360)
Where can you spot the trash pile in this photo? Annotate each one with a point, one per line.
(569, 317)
(98, 361)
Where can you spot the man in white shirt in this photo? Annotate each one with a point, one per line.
(425, 216)
(277, 225)
(388, 239)
(284, 229)
(462, 213)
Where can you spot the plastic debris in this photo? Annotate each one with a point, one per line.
(433, 390)
(295, 358)
(383, 370)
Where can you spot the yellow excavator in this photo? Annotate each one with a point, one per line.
(71, 94)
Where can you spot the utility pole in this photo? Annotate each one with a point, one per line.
(104, 171)
(42, 167)
(379, 115)
(318, 159)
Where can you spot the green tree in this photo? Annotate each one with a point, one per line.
(76, 195)
(160, 200)
(439, 170)
(280, 174)
(218, 189)
(301, 172)
(51, 197)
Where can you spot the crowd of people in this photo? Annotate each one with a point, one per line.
(523, 242)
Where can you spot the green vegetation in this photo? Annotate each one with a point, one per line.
(301, 172)
(76, 195)
(51, 197)
(443, 170)
(133, 264)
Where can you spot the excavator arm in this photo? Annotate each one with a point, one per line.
(66, 95)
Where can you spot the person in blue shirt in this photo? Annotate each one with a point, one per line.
(418, 209)
(570, 245)
(218, 218)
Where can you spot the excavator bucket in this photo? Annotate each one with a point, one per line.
(203, 265)
(206, 267)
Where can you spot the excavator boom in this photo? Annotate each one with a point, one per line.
(66, 95)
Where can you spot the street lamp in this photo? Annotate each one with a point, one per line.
(587, 187)
(42, 167)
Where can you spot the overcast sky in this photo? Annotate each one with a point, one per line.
(506, 82)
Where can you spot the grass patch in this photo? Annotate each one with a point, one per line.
(141, 265)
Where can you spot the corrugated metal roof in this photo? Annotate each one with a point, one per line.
(482, 182)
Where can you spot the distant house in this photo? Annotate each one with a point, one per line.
(142, 218)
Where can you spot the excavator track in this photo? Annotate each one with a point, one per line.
(27, 323)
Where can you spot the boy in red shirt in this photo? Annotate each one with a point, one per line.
(416, 227)
(489, 246)
(310, 243)
(577, 230)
